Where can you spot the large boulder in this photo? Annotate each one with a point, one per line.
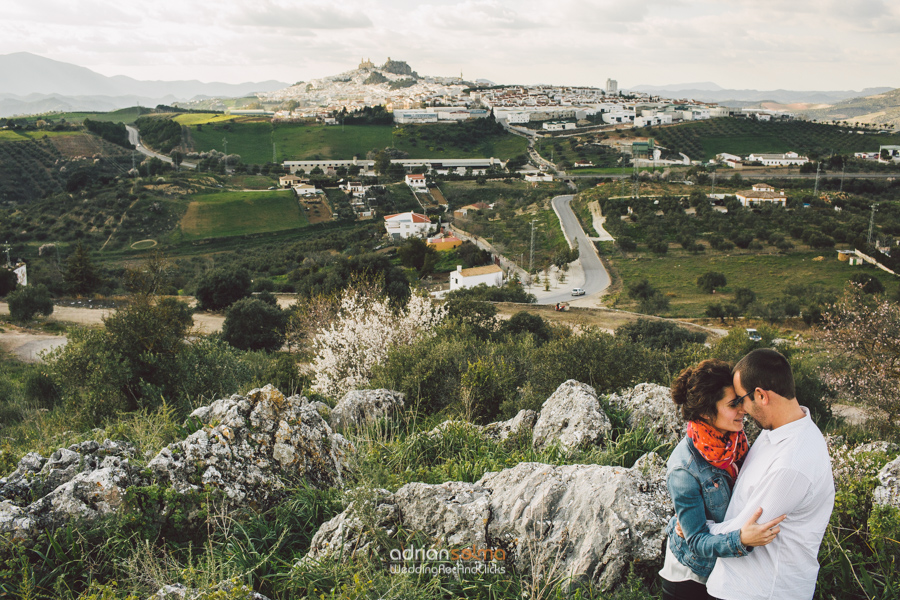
(583, 522)
(650, 406)
(358, 408)
(888, 491)
(250, 444)
(521, 424)
(571, 418)
(84, 481)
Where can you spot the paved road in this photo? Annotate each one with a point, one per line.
(135, 138)
(596, 279)
(757, 176)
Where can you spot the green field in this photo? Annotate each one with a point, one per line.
(7, 135)
(765, 274)
(225, 214)
(705, 139)
(254, 140)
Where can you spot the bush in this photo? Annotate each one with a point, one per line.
(659, 335)
(254, 324)
(221, 288)
(8, 281)
(29, 301)
(867, 283)
(523, 322)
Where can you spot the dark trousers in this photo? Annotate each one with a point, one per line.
(684, 590)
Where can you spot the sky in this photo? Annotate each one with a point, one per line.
(741, 44)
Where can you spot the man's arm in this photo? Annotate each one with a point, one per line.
(780, 493)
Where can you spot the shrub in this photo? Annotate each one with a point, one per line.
(254, 324)
(29, 301)
(867, 283)
(659, 335)
(221, 288)
(523, 322)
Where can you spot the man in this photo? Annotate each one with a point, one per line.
(786, 472)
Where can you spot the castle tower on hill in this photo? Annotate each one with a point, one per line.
(365, 64)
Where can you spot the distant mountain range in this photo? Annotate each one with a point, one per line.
(710, 92)
(32, 84)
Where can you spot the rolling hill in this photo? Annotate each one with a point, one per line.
(881, 109)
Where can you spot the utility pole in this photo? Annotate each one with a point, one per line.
(842, 176)
(274, 158)
(225, 142)
(818, 168)
(872, 223)
(7, 248)
(531, 255)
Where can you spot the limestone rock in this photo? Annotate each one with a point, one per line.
(888, 491)
(650, 405)
(586, 522)
(178, 591)
(361, 407)
(571, 417)
(249, 443)
(520, 424)
(84, 481)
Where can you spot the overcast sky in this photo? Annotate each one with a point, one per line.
(759, 44)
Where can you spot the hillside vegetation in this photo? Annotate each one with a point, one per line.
(880, 110)
(702, 140)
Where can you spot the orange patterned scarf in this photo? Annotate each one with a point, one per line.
(721, 449)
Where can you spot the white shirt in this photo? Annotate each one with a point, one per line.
(787, 471)
(674, 571)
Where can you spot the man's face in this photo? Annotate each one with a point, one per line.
(751, 407)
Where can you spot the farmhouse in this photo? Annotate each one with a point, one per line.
(291, 180)
(305, 190)
(404, 225)
(491, 276)
(444, 242)
(463, 212)
(779, 160)
(762, 193)
(417, 182)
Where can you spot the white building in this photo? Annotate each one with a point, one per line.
(404, 225)
(491, 276)
(762, 193)
(417, 182)
(612, 87)
(779, 160)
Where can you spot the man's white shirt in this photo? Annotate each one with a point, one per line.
(787, 471)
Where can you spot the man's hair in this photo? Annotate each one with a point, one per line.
(766, 369)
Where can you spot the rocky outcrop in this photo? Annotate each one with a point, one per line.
(888, 491)
(584, 522)
(226, 589)
(361, 407)
(650, 406)
(571, 418)
(250, 444)
(84, 481)
(248, 447)
(521, 424)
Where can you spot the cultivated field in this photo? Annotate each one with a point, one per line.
(225, 214)
(254, 140)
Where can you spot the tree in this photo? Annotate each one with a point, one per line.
(864, 332)
(716, 311)
(28, 301)
(221, 288)
(524, 322)
(415, 253)
(650, 300)
(744, 297)
(81, 275)
(8, 281)
(709, 281)
(254, 324)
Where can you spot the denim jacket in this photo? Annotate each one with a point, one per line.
(700, 492)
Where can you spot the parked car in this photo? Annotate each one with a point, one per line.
(754, 335)
(578, 292)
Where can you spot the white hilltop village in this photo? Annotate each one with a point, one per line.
(412, 98)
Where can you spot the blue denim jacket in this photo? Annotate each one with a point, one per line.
(700, 492)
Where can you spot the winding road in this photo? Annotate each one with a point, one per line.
(135, 138)
(596, 278)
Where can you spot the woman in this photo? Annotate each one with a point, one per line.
(701, 473)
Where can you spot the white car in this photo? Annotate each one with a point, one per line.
(578, 292)
(754, 335)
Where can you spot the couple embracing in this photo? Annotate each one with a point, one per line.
(748, 520)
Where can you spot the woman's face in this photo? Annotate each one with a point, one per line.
(729, 417)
